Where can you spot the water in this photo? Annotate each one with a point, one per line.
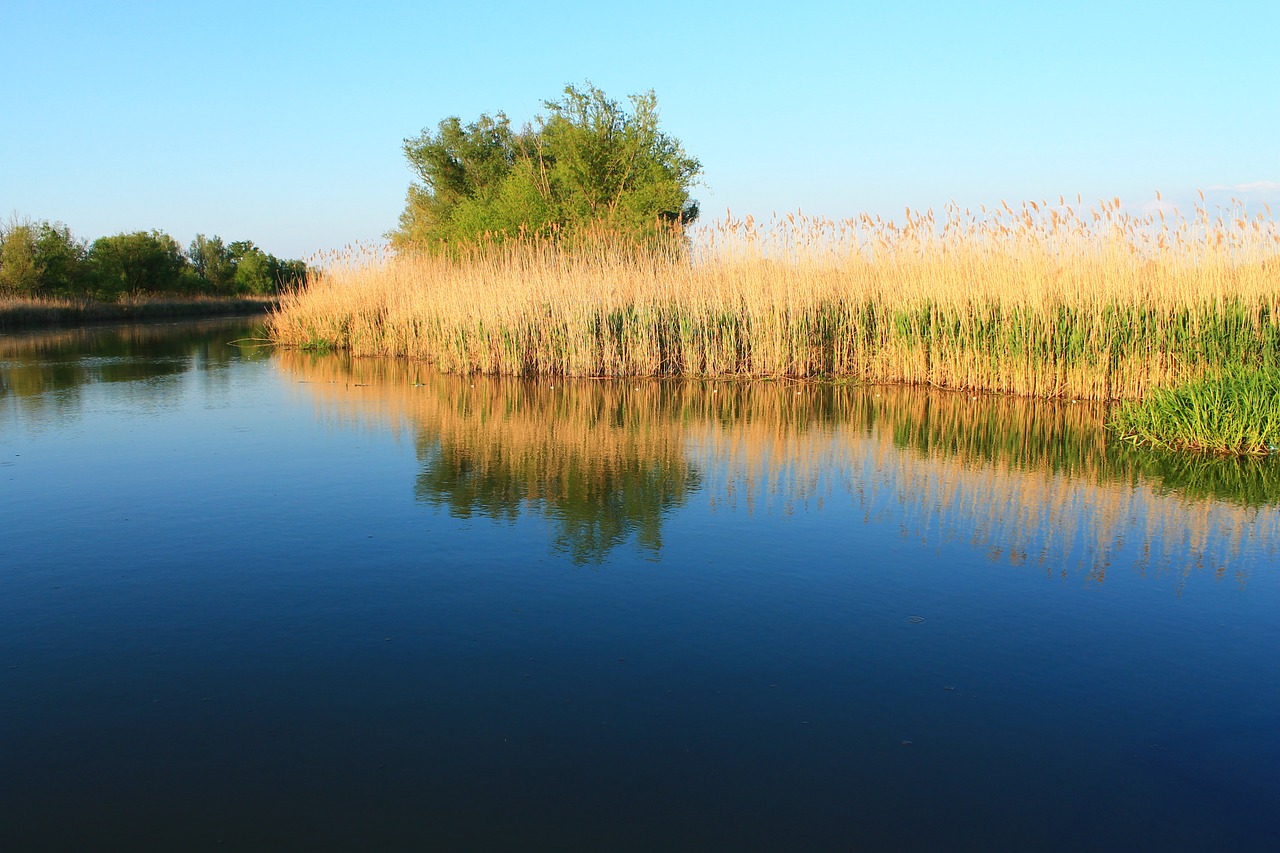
(256, 600)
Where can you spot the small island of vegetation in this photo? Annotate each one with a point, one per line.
(569, 248)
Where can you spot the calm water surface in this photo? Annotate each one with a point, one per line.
(256, 600)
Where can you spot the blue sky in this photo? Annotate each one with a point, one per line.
(283, 122)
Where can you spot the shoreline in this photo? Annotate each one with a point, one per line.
(1052, 302)
(18, 315)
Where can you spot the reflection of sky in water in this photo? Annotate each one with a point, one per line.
(1026, 483)
(50, 379)
(369, 603)
(1022, 516)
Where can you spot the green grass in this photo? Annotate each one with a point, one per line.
(1233, 412)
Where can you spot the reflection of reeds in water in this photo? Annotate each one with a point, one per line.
(1029, 483)
(600, 470)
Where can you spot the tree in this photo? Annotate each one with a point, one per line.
(588, 163)
(255, 272)
(260, 272)
(40, 259)
(19, 269)
(141, 262)
(617, 168)
(213, 262)
(290, 274)
(61, 258)
(45, 259)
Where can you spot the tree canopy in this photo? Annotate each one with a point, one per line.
(44, 259)
(587, 163)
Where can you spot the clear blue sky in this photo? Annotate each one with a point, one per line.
(283, 122)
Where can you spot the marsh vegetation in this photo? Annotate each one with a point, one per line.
(1233, 411)
(1057, 301)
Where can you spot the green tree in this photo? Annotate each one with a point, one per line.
(617, 168)
(458, 165)
(588, 163)
(19, 267)
(213, 262)
(44, 258)
(141, 262)
(255, 269)
(261, 272)
(62, 260)
(40, 258)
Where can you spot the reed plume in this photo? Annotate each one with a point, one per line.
(1037, 300)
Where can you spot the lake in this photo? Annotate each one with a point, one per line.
(278, 600)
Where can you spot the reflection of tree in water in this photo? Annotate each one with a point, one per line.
(592, 459)
(595, 507)
(43, 373)
(495, 448)
(1027, 482)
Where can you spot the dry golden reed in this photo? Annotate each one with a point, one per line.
(1040, 300)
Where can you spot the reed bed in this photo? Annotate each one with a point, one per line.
(1034, 483)
(1041, 300)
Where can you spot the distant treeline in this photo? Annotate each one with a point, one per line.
(44, 259)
